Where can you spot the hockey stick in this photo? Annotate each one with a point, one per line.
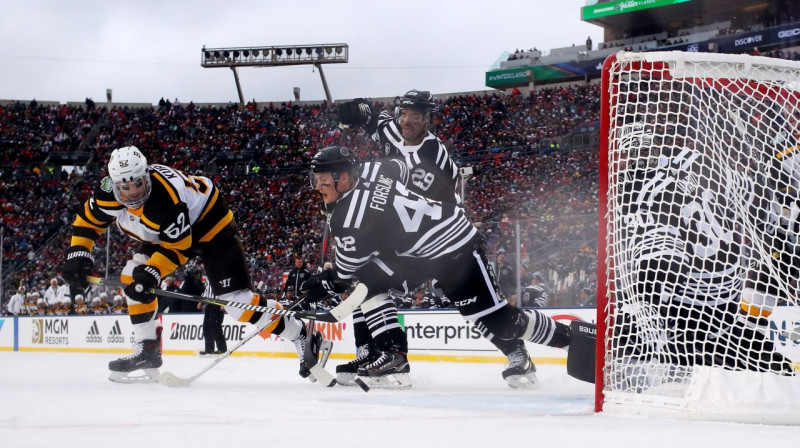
(172, 380)
(338, 313)
(310, 360)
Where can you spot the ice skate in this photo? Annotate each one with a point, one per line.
(146, 357)
(388, 371)
(320, 349)
(346, 373)
(520, 372)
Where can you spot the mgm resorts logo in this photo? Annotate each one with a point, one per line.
(114, 336)
(50, 331)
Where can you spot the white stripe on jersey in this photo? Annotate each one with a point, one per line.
(499, 301)
(362, 208)
(390, 130)
(453, 231)
(383, 266)
(370, 171)
(358, 205)
(441, 240)
(353, 203)
(347, 265)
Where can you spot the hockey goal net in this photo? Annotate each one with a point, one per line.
(699, 254)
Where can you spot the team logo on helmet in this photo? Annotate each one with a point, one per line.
(106, 184)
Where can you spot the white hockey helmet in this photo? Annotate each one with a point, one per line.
(117, 298)
(127, 169)
(78, 297)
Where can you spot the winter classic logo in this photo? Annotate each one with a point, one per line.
(105, 184)
(50, 331)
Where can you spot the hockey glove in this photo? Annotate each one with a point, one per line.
(355, 113)
(145, 280)
(79, 263)
(318, 287)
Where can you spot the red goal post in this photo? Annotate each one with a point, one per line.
(699, 237)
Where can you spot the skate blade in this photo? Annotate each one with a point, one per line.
(524, 382)
(393, 381)
(346, 379)
(147, 376)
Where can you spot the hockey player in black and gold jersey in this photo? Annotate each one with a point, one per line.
(175, 217)
(369, 202)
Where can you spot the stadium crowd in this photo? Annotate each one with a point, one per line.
(542, 202)
(553, 196)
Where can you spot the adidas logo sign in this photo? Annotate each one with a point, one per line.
(93, 336)
(115, 335)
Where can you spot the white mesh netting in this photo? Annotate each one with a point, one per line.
(702, 226)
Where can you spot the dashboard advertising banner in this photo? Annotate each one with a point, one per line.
(6, 333)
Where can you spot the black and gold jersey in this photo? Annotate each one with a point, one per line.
(180, 212)
(82, 309)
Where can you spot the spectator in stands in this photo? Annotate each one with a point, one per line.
(81, 308)
(193, 285)
(587, 298)
(506, 278)
(296, 277)
(15, 303)
(536, 295)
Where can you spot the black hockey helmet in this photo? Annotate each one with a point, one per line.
(334, 160)
(538, 276)
(420, 100)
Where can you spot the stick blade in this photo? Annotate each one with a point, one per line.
(323, 376)
(171, 380)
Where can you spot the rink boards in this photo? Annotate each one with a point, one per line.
(432, 336)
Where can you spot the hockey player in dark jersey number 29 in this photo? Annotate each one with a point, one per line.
(406, 136)
(389, 237)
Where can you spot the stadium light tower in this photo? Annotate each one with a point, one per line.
(275, 56)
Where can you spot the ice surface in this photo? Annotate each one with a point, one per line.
(66, 400)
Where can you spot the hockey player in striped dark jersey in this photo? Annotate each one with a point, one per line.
(684, 258)
(389, 237)
(407, 136)
(175, 217)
